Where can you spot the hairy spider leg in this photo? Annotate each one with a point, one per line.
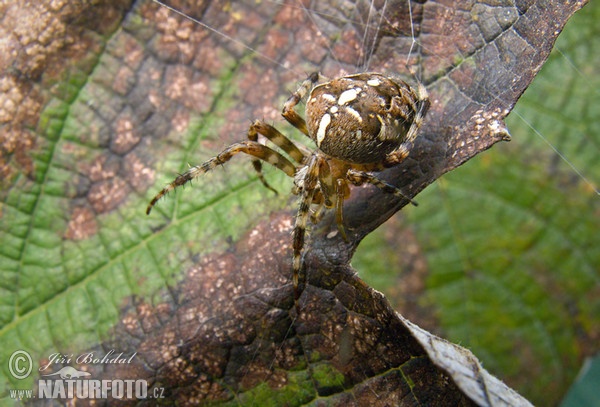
(277, 138)
(341, 193)
(334, 189)
(316, 184)
(251, 148)
(317, 213)
(360, 177)
(288, 108)
(308, 187)
(420, 108)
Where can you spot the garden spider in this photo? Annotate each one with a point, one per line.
(360, 123)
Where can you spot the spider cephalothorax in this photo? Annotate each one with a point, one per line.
(361, 123)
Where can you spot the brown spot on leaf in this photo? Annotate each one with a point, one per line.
(106, 195)
(138, 174)
(123, 80)
(310, 52)
(349, 49)
(82, 224)
(38, 38)
(180, 36)
(126, 135)
(103, 167)
(128, 49)
(291, 16)
(276, 42)
(20, 103)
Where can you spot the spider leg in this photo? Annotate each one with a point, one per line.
(309, 187)
(277, 138)
(335, 191)
(317, 214)
(288, 108)
(360, 177)
(395, 157)
(251, 148)
(341, 192)
(420, 109)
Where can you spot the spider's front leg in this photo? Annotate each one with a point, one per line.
(251, 148)
(288, 108)
(277, 138)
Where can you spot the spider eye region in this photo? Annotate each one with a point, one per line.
(361, 118)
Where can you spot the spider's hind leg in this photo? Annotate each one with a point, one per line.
(360, 177)
(251, 148)
(307, 197)
(341, 193)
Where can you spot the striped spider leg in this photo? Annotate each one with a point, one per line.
(250, 147)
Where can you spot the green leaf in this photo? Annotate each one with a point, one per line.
(583, 391)
(502, 255)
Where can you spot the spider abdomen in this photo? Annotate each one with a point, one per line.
(361, 118)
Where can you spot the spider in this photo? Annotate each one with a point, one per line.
(361, 123)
